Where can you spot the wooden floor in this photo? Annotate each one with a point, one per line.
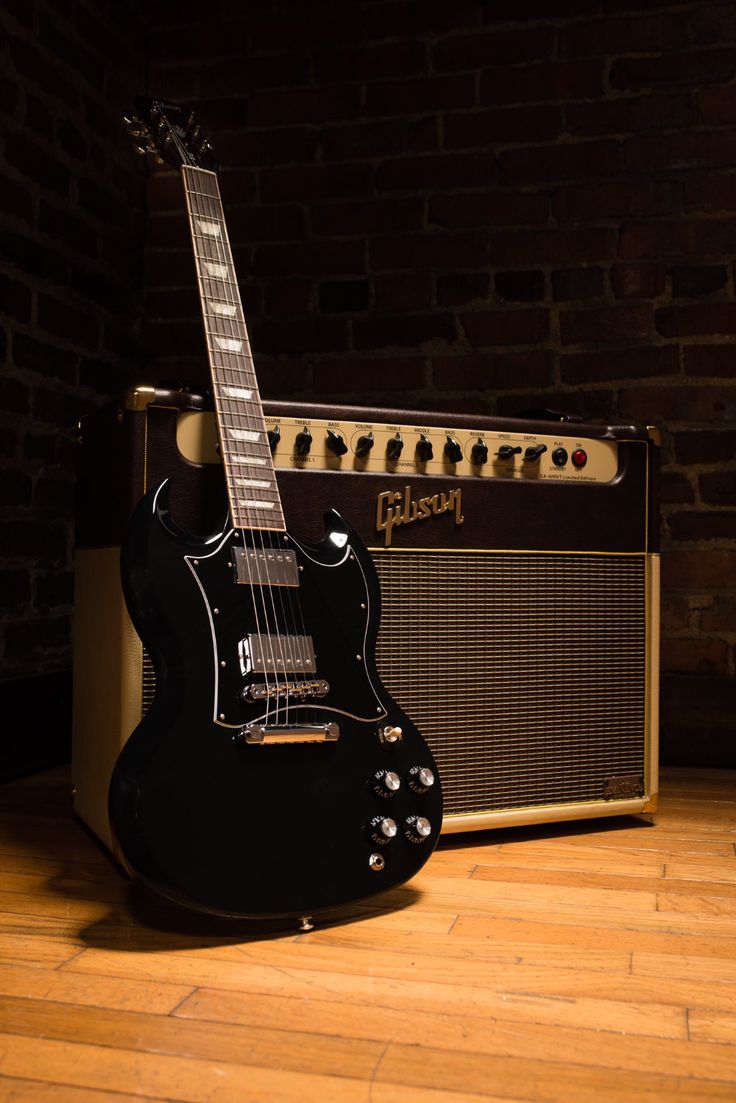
(559, 963)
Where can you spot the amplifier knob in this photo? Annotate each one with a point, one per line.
(479, 452)
(559, 457)
(425, 451)
(385, 783)
(336, 443)
(506, 451)
(303, 442)
(533, 452)
(420, 778)
(417, 829)
(382, 829)
(274, 436)
(453, 450)
(364, 445)
(394, 447)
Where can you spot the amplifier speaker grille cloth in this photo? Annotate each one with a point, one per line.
(524, 672)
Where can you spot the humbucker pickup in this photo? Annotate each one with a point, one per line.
(267, 567)
(270, 654)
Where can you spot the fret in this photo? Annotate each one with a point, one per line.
(251, 480)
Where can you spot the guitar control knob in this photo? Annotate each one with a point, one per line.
(394, 447)
(382, 829)
(274, 436)
(453, 450)
(336, 443)
(479, 452)
(391, 735)
(303, 442)
(417, 829)
(364, 445)
(533, 452)
(385, 783)
(506, 451)
(425, 451)
(420, 779)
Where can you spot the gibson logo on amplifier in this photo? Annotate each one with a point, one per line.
(394, 508)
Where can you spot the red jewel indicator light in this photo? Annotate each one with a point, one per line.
(579, 457)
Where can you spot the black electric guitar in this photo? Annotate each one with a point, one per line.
(273, 774)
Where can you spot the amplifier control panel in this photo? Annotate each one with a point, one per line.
(379, 447)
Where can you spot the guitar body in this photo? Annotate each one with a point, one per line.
(253, 788)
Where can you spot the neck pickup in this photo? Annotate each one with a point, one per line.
(267, 567)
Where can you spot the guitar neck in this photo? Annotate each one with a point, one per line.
(252, 490)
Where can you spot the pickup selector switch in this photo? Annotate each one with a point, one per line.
(420, 779)
(336, 443)
(274, 436)
(394, 447)
(382, 829)
(425, 451)
(385, 783)
(453, 450)
(417, 828)
(533, 452)
(303, 442)
(508, 451)
(364, 445)
(479, 452)
(559, 457)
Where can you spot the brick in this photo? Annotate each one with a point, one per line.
(38, 119)
(390, 59)
(307, 183)
(56, 407)
(614, 199)
(420, 17)
(590, 405)
(402, 330)
(697, 280)
(694, 656)
(374, 216)
(71, 51)
(496, 370)
(486, 329)
(720, 618)
(62, 225)
(179, 338)
(340, 296)
(419, 95)
(8, 441)
(35, 163)
(573, 161)
(37, 260)
(675, 613)
(552, 246)
(678, 151)
(68, 322)
(675, 488)
(98, 289)
(607, 365)
(477, 51)
(520, 287)
(14, 396)
(31, 354)
(39, 640)
(32, 65)
(256, 224)
(549, 83)
(287, 146)
(441, 172)
(15, 199)
(710, 360)
(311, 257)
(53, 496)
(15, 298)
(54, 591)
(468, 129)
(33, 540)
(634, 35)
(705, 445)
(675, 67)
(492, 208)
(637, 281)
(299, 335)
(704, 569)
(382, 138)
(671, 239)
(370, 375)
(630, 115)
(717, 106)
(15, 488)
(606, 325)
(696, 319)
(461, 288)
(713, 23)
(15, 591)
(427, 250)
(288, 296)
(718, 488)
(714, 524)
(101, 202)
(304, 105)
(571, 284)
(403, 291)
(710, 193)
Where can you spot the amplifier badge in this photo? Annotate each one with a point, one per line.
(394, 508)
(623, 787)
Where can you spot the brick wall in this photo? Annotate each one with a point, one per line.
(488, 206)
(71, 237)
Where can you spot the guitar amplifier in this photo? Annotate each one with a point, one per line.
(519, 571)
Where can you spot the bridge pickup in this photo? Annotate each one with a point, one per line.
(265, 567)
(271, 654)
(293, 733)
(260, 691)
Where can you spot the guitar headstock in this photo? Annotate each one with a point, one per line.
(172, 135)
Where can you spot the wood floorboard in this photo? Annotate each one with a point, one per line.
(560, 963)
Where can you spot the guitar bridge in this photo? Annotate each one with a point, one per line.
(262, 734)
